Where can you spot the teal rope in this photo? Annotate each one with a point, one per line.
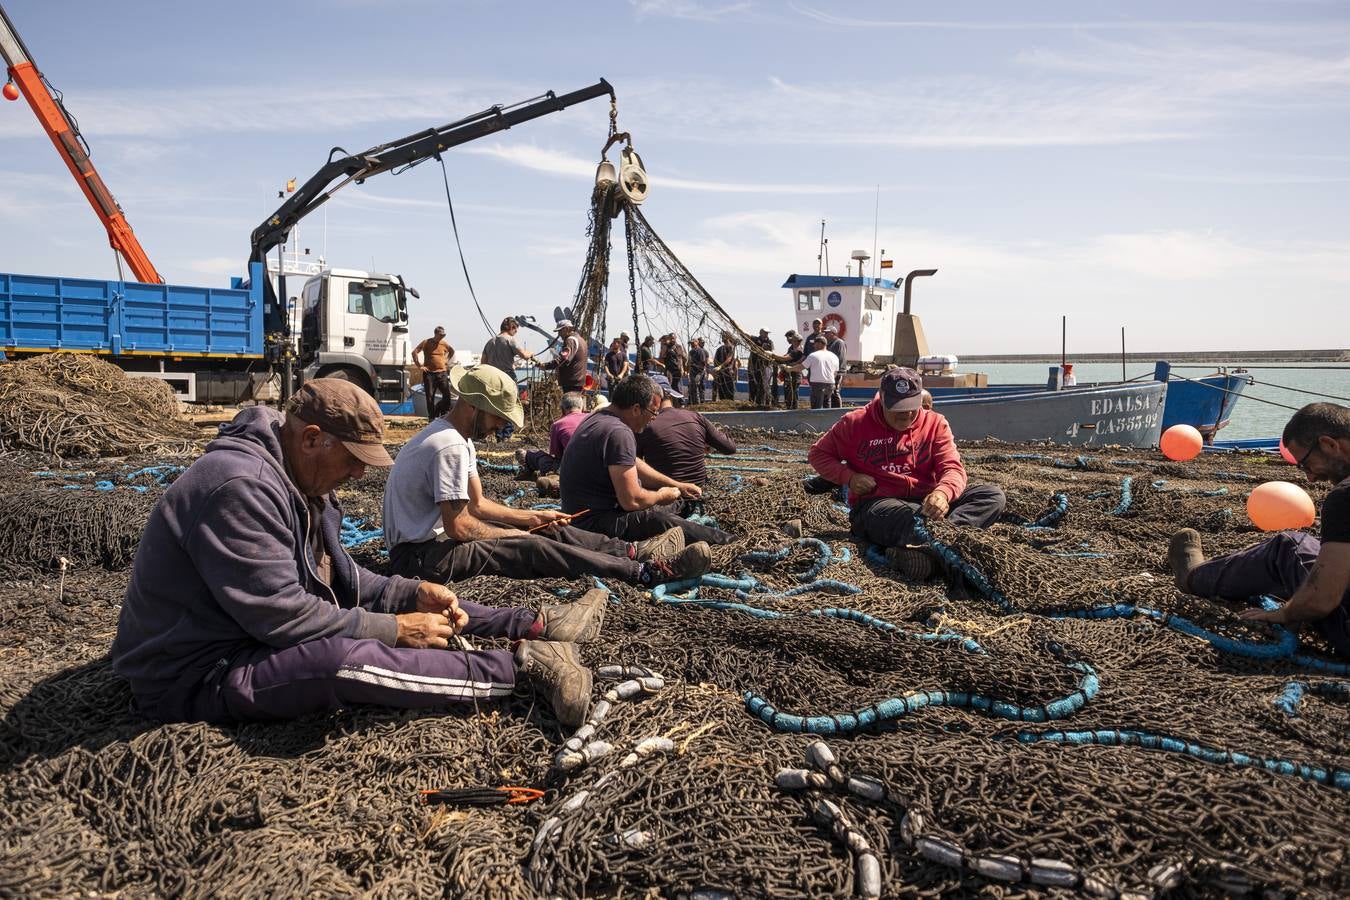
(1335, 778)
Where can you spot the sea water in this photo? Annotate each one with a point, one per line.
(1261, 412)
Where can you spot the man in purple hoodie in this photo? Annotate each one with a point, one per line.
(244, 606)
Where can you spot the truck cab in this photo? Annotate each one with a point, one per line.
(354, 326)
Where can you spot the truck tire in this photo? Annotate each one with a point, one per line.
(349, 373)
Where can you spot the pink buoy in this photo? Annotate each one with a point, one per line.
(1181, 442)
(1280, 506)
(1288, 457)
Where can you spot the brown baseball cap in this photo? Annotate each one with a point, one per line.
(348, 413)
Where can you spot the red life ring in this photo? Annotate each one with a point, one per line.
(837, 321)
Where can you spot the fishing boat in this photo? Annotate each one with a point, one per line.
(874, 318)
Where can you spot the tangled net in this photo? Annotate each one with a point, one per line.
(75, 405)
(951, 797)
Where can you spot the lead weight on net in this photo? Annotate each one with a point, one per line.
(1098, 887)
(1139, 893)
(625, 690)
(911, 825)
(545, 830)
(628, 761)
(1165, 876)
(611, 671)
(598, 712)
(867, 787)
(939, 851)
(633, 839)
(868, 875)
(574, 802)
(819, 754)
(800, 780)
(1052, 873)
(1000, 868)
(836, 775)
(856, 843)
(653, 745)
(825, 812)
(652, 683)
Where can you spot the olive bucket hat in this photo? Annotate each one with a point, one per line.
(490, 390)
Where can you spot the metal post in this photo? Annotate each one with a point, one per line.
(287, 370)
(1122, 353)
(1063, 341)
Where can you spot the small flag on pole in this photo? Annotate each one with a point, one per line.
(290, 186)
(887, 263)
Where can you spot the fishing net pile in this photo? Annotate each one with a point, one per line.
(75, 405)
(1053, 712)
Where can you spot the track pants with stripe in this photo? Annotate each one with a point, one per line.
(271, 684)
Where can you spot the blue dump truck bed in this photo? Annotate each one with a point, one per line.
(40, 314)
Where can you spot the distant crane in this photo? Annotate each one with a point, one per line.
(61, 127)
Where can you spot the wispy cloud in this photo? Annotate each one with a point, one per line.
(539, 159)
(1121, 24)
(688, 9)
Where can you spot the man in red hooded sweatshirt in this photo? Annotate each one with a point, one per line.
(900, 460)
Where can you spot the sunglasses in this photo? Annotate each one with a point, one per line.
(1304, 458)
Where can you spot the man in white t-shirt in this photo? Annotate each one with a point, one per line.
(821, 367)
(438, 524)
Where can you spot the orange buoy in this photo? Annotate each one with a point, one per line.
(1280, 506)
(1288, 457)
(590, 382)
(1181, 442)
(11, 91)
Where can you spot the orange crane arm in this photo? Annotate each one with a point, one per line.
(66, 138)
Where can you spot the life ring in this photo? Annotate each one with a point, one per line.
(837, 321)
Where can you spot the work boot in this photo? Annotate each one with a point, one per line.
(577, 622)
(818, 484)
(663, 546)
(691, 562)
(555, 670)
(548, 485)
(1183, 555)
(914, 562)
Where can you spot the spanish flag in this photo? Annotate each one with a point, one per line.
(887, 263)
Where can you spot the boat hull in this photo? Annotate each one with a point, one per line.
(1130, 415)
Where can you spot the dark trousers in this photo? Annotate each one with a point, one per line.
(836, 397)
(647, 523)
(568, 552)
(433, 383)
(792, 385)
(889, 521)
(271, 684)
(755, 384)
(1277, 566)
(695, 387)
(820, 394)
(540, 462)
(724, 385)
(772, 375)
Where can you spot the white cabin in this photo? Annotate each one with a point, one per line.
(861, 309)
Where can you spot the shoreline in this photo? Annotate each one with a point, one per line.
(1205, 356)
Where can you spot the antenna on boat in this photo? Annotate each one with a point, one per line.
(876, 223)
(823, 251)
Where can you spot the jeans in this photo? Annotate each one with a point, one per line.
(647, 523)
(1277, 566)
(889, 521)
(820, 394)
(568, 552)
(695, 387)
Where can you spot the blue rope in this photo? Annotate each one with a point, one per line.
(824, 556)
(513, 496)
(354, 533)
(1167, 743)
(1126, 497)
(1284, 648)
(896, 707)
(1292, 696)
(509, 468)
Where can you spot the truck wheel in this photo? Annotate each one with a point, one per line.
(348, 373)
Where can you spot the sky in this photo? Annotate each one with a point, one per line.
(1181, 170)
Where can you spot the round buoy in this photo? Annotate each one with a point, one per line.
(1280, 506)
(589, 384)
(1288, 457)
(11, 91)
(1181, 442)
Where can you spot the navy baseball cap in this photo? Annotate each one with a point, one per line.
(664, 384)
(901, 390)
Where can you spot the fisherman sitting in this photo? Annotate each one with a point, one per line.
(1312, 575)
(677, 441)
(899, 461)
(244, 606)
(439, 526)
(613, 492)
(540, 462)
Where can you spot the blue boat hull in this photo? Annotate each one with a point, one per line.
(1205, 403)
(1126, 414)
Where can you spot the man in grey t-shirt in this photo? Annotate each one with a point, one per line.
(501, 351)
(438, 524)
(609, 489)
